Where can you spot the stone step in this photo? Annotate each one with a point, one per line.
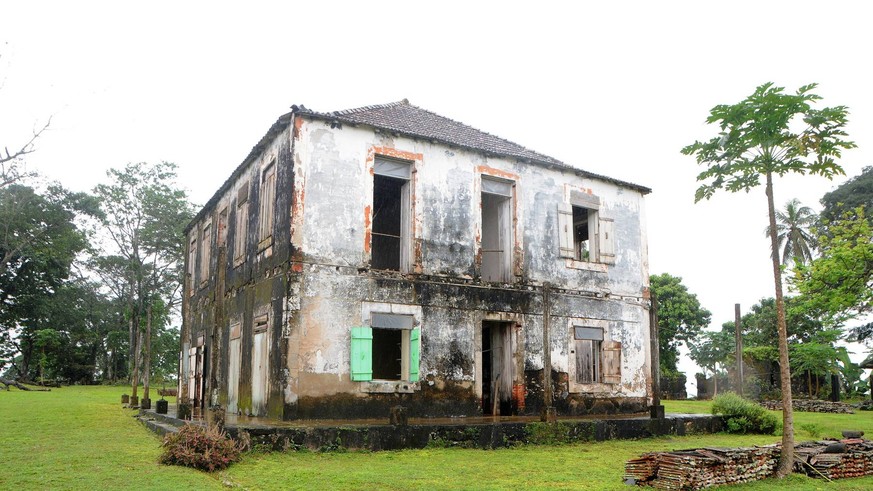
(162, 428)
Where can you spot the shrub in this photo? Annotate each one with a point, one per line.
(743, 415)
(207, 449)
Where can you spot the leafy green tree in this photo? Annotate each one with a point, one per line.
(857, 191)
(793, 232)
(39, 241)
(145, 214)
(713, 350)
(816, 358)
(838, 286)
(680, 317)
(769, 133)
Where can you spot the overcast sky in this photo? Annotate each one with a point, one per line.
(616, 88)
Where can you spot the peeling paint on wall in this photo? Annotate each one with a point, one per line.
(314, 284)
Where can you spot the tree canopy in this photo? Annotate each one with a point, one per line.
(680, 317)
(857, 191)
(838, 286)
(794, 233)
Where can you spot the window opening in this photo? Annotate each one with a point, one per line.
(588, 342)
(205, 253)
(391, 206)
(268, 198)
(241, 228)
(387, 361)
(192, 258)
(388, 349)
(583, 230)
(496, 230)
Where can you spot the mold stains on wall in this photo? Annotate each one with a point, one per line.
(476, 340)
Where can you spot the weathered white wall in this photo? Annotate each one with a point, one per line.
(331, 235)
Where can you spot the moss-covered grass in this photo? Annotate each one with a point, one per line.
(81, 438)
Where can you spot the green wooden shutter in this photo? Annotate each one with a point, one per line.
(362, 354)
(414, 354)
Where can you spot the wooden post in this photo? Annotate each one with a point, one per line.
(549, 413)
(739, 350)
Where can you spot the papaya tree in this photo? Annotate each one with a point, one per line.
(772, 133)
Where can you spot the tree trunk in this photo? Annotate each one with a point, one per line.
(714, 383)
(136, 363)
(809, 383)
(147, 355)
(14, 383)
(131, 336)
(786, 461)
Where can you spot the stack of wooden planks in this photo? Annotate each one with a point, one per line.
(812, 406)
(835, 459)
(702, 468)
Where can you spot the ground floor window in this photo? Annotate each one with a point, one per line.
(587, 344)
(594, 357)
(387, 349)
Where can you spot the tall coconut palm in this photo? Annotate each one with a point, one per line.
(793, 234)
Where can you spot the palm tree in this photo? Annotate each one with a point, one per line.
(792, 232)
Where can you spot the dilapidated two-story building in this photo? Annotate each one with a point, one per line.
(362, 259)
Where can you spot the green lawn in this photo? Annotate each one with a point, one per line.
(81, 438)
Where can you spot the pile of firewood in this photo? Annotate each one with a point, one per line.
(833, 459)
(702, 468)
(811, 406)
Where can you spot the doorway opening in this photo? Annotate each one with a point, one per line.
(498, 370)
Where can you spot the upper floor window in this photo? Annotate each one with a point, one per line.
(584, 234)
(268, 200)
(205, 253)
(242, 221)
(391, 226)
(497, 237)
(192, 258)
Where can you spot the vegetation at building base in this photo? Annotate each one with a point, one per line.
(81, 437)
(204, 448)
(743, 415)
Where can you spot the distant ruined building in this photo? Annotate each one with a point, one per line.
(385, 255)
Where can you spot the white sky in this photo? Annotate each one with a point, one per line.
(616, 88)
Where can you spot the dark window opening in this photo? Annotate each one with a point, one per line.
(387, 354)
(387, 222)
(581, 233)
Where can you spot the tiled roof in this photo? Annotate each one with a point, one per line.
(406, 119)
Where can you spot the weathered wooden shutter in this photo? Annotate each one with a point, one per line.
(611, 362)
(565, 230)
(362, 354)
(607, 241)
(414, 354)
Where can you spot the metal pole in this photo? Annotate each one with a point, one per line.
(739, 350)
